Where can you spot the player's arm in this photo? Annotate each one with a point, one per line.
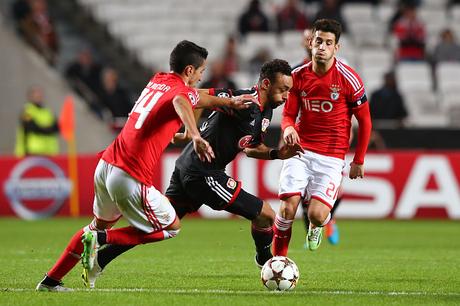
(289, 116)
(261, 151)
(184, 137)
(208, 100)
(363, 117)
(185, 113)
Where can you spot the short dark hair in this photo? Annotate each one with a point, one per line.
(186, 53)
(271, 68)
(328, 25)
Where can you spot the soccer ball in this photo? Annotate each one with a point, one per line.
(279, 273)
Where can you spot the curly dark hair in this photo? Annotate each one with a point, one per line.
(328, 25)
(271, 68)
(186, 53)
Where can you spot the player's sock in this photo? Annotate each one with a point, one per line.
(336, 205)
(281, 235)
(68, 259)
(110, 252)
(326, 221)
(306, 221)
(132, 236)
(262, 239)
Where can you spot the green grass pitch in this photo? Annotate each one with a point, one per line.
(211, 263)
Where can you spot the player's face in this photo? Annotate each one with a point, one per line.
(279, 89)
(323, 46)
(196, 74)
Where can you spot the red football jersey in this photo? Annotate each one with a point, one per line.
(325, 104)
(151, 125)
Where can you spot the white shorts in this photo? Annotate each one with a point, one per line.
(312, 176)
(119, 194)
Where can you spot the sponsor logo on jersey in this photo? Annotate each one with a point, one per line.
(318, 106)
(231, 183)
(244, 141)
(265, 124)
(253, 122)
(335, 91)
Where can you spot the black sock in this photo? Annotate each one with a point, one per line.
(306, 221)
(110, 252)
(102, 237)
(336, 204)
(50, 281)
(263, 240)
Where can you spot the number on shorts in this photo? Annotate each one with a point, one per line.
(144, 105)
(331, 191)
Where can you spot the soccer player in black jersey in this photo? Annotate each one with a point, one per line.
(195, 182)
(229, 132)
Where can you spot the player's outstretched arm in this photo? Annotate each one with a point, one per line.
(185, 112)
(210, 101)
(264, 152)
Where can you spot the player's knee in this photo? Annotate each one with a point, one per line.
(175, 225)
(318, 214)
(266, 218)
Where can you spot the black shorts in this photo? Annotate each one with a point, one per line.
(219, 191)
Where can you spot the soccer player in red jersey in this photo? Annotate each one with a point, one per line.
(325, 95)
(123, 178)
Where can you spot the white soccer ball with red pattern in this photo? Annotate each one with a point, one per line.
(280, 273)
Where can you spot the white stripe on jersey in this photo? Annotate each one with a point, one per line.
(349, 76)
(218, 189)
(300, 67)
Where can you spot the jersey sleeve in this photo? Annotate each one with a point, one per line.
(357, 94)
(191, 95)
(291, 108)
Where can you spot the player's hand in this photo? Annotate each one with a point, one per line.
(242, 101)
(288, 151)
(356, 171)
(181, 138)
(203, 149)
(290, 136)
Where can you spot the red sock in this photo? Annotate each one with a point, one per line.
(281, 236)
(132, 236)
(69, 258)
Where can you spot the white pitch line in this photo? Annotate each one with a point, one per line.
(251, 292)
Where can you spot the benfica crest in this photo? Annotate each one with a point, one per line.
(335, 92)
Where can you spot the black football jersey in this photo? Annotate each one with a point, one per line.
(228, 131)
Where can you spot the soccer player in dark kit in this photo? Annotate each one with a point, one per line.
(195, 182)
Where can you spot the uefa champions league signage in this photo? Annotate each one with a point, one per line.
(19, 188)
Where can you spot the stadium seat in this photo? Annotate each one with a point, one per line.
(414, 76)
(357, 12)
(424, 109)
(448, 77)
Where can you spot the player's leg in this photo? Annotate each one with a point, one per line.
(306, 221)
(332, 229)
(282, 228)
(262, 217)
(104, 209)
(323, 189)
(150, 214)
(293, 180)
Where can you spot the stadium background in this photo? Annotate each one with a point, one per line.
(416, 173)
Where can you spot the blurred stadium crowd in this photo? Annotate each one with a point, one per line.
(406, 51)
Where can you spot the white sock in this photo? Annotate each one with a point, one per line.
(328, 218)
(282, 224)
